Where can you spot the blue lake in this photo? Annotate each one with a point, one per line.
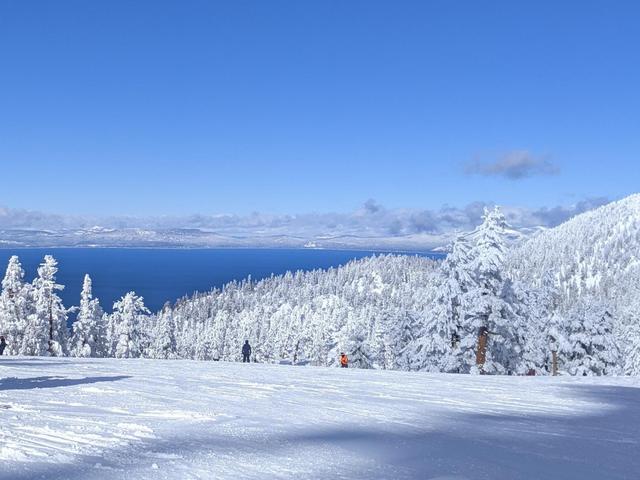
(162, 275)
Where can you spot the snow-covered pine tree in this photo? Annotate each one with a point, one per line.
(323, 340)
(125, 322)
(531, 315)
(629, 326)
(489, 343)
(437, 346)
(89, 331)
(356, 344)
(556, 336)
(590, 348)
(381, 342)
(542, 332)
(219, 325)
(46, 332)
(632, 348)
(15, 304)
(163, 342)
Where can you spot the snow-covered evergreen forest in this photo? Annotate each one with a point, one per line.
(565, 300)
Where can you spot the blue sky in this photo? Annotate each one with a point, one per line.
(173, 108)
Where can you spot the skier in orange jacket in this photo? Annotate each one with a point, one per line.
(344, 360)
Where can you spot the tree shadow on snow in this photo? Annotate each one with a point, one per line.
(14, 383)
(602, 444)
(34, 362)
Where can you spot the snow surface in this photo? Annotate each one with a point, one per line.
(65, 418)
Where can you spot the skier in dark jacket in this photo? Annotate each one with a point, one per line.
(246, 352)
(3, 345)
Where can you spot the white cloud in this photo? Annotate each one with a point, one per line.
(514, 165)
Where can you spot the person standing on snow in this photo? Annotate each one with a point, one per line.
(246, 352)
(3, 345)
(344, 360)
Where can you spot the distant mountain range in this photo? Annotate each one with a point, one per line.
(370, 227)
(203, 238)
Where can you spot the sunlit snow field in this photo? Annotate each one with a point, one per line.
(66, 418)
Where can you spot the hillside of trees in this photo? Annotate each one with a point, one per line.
(563, 301)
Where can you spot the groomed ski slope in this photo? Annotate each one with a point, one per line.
(158, 419)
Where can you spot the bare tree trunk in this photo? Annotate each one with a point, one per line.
(50, 330)
(481, 352)
(554, 363)
(295, 353)
(15, 350)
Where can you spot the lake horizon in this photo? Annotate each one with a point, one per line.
(167, 274)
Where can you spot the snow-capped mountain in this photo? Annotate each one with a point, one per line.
(220, 238)
(371, 227)
(596, 252)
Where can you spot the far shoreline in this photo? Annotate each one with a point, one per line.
(188, 248)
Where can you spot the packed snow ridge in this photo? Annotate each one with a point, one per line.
(85, 419)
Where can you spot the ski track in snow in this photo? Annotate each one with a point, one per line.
(153, 419)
